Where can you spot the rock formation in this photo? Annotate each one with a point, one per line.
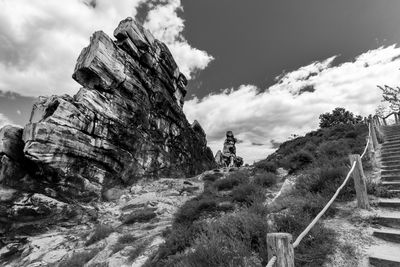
(228, 158)
(125, 123)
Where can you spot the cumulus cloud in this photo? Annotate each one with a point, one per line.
(40, 40)
(4, 120)
(163, 21)
(274, 114)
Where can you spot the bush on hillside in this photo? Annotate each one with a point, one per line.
(267, 166)
(140, 216)
(338, 116)
(334, 149)
(212, 177)
(100, 232)
(79, 259)
(265, 179)
(325, 180)
(298, 160)
(232, 240)
(232, 180)
(245, 193)
(194, 208)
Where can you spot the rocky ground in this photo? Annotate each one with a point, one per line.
(131, 227)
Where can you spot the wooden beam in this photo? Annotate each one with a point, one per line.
(359, 182)
(280, 245)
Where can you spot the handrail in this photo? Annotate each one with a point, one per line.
(311, 225)
(271, 261)
(322, 212)
(390, 114)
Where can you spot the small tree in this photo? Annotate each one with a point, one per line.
(338, 116)
(392, 96)
(381, 111)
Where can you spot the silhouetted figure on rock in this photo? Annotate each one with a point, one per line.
(228, 158)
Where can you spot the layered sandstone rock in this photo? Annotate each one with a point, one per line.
(125, 123)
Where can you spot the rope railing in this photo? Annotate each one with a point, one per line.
(274, 258)
(271, 261)
(322, 212)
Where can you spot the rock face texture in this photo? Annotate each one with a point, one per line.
(125, 123)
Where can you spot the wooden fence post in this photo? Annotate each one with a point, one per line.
(359, 182)
(371, 152)
(280, 245)
(373, 134)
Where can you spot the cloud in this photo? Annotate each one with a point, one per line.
(272, 115)
(4, 120)
(163, 21)
(40, 40)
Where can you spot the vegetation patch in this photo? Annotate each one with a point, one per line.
(138, 249)
(79, 259)
(101, 231)
(140, 216)
(211, 177)
(205, 234)
(265, 179)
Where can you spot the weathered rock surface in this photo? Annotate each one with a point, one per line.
(61, 244)
(124, 124)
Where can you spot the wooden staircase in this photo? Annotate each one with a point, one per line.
(387, 253)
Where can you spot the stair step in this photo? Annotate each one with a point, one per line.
(390, 167)
(392, 235)
(392, 137)
(391, 185)
(389, 158)
(389, 172)
(385, 255)
(390, 163)
(388, 218)
(390, 150)
(390, 143)
(390, 153)
(389, 203)
(390, 178)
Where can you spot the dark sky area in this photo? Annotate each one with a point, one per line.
(253, 41)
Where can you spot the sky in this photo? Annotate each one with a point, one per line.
(264, 69)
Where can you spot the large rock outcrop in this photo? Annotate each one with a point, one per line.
(125, 123)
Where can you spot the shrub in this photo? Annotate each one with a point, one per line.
(193, 209)
(316, 246)
(305, 204)
(211, 177)
(265, 179)
(267, 166)
(126, 239)
(101, 231)
(325, 179)
(233, 179)
(138, 249)
(232, 240)
(299, 160)
(78, 259)
(333, 149)
(178, 239)
(244, 193)
(143, 215)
